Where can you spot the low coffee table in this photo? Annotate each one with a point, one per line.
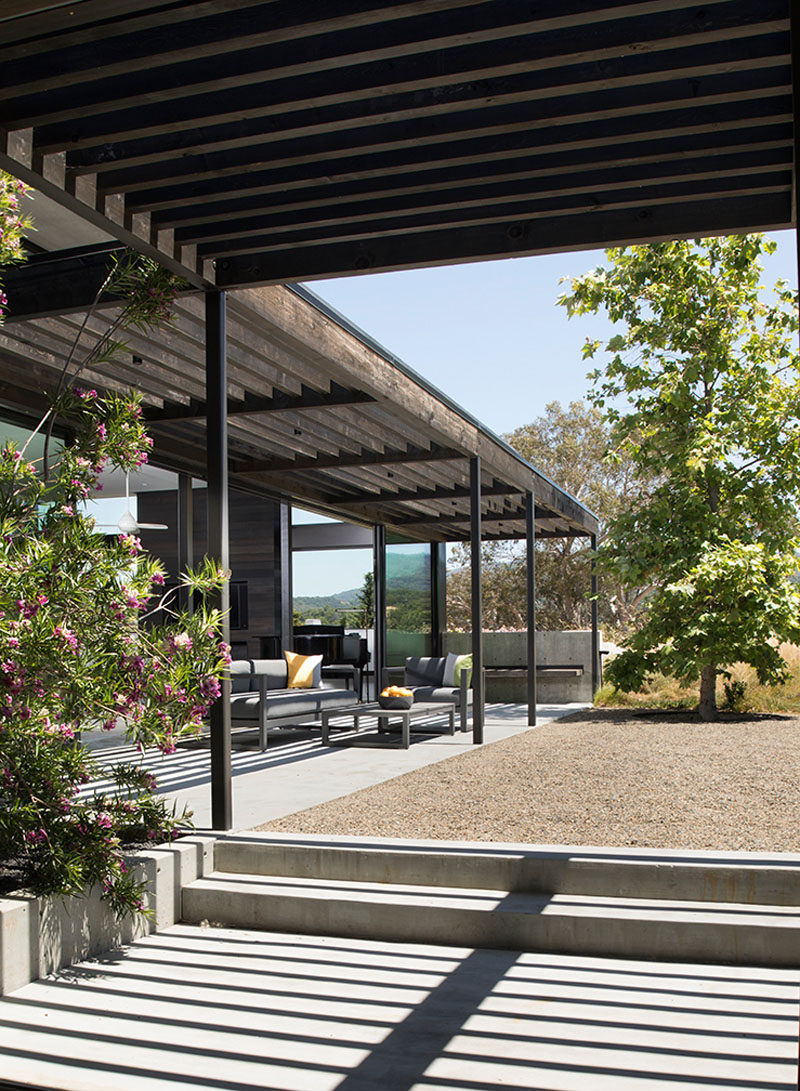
(385, 715)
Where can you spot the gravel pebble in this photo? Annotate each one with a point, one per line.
(606, 777)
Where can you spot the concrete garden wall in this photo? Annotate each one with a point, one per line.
(573, 647)
(40, 935)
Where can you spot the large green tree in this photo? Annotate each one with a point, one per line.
(569, 444)
(701, 391)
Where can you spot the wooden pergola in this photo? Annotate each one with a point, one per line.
(248, 145)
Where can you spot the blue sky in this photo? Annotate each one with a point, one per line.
(490, 336)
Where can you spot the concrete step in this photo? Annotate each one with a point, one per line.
(496, 918)
(689, 876)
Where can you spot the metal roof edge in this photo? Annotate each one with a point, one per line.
(370, 342)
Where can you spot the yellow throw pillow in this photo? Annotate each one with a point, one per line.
(305, 671)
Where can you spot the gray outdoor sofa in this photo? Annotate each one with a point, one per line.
(430, 677)
(259, 692)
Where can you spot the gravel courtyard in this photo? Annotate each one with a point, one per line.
(604, 777)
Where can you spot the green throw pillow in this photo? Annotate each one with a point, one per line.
(464, 662)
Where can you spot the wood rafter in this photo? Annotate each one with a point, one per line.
(251, 405)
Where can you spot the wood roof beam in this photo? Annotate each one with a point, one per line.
(140, 69)
(487, 190)
(252, 405)
(465, 214)
(536, 124)
(592, 230)
(403, 496)
(364, 458)
(492, 153)
(421, 85)
(270, 30)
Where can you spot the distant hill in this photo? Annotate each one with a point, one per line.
(406, 573)
(410, 571)
(322, 605)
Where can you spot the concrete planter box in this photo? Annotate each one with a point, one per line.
(41, 935)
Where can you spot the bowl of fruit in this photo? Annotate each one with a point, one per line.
(396, 697)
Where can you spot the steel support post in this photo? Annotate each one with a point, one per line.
(379, 566)
(595, 635)
(794, 28)
(283, 557)
(438, 596)
(218, 546)
(185, 535)
(478, 680)
(530, 567)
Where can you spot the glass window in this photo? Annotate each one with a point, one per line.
(408, 601)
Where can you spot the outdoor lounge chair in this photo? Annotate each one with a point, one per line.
(431, 679)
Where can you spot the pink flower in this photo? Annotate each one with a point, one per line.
(210, 687)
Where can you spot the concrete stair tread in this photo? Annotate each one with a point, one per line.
(498, 901)
(702, 877)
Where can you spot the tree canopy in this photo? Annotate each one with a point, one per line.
(568, 443)
(700, 391)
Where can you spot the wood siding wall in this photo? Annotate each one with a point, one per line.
(254, 557)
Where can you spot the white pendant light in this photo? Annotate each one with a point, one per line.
(128, 524)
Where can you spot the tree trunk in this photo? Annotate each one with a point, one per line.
(708, 692)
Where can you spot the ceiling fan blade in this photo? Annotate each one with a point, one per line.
(152, 526)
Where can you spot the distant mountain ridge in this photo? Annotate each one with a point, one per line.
(411, 572)
(341, 600)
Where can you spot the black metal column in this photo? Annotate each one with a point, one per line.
(794, 27)
(478, 681)
(438, 596)
(218, 545)
(185, 535)
(379, 565)
(283, 556)
(595, 640)
(530, 566)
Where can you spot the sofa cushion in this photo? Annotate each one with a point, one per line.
(440, 693)
(241, 670)
(449, 672)
(335, 698)
(302, 703)
(424, 670)
(274, 670)
(287, 702)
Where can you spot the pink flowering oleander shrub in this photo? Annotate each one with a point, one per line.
(12, 226)
(77, 653)
(79, 646)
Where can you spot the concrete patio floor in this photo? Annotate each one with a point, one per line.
(239, 1010)
(296, 771)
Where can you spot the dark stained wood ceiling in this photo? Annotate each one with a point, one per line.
(257, 143)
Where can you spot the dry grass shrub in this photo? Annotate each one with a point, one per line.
(663, 692)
